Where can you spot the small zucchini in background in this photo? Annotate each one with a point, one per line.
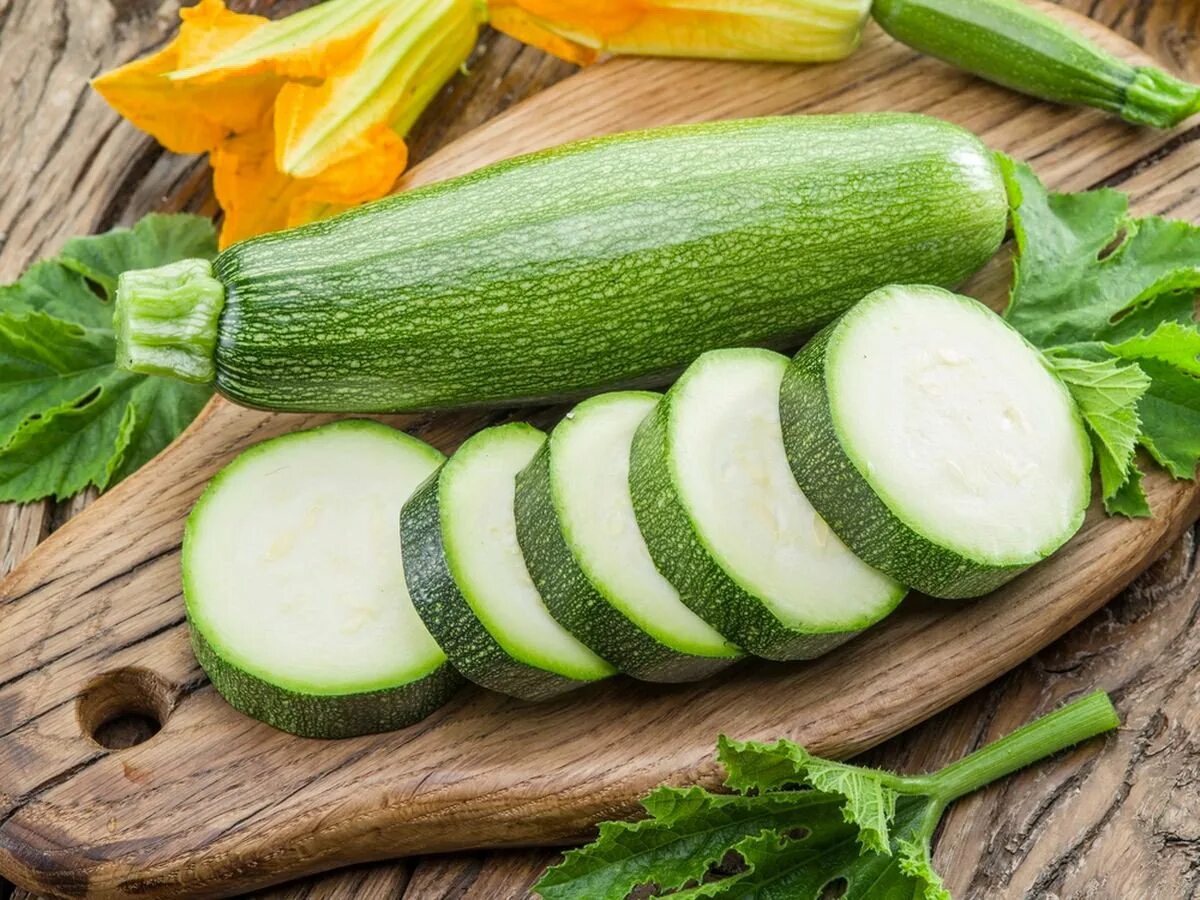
(935, 441)
(468, 579)
(295, 588)
(581, 542)
(1011, 43)
(727, 525)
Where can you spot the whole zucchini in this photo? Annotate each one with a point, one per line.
(600, 263)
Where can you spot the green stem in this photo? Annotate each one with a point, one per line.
(1075, 722)
(165, 320)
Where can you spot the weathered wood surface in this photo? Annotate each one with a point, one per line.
(80, 171)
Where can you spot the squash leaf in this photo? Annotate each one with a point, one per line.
(1110, 299)
(69, 419)
(799, 825)
(1107, 394)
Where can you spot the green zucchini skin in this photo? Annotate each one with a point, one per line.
(851, 506)
(681, 556)
(607, 262)
(449, 617)
(574, 601)
(324, 716)
(1013, 44)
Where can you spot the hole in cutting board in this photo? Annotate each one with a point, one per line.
(125, 708)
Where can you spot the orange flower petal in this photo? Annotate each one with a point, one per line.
(406, 59)
(527, 28)
(303, 116)
(256, 197)
(783, 30)
(309, 45)
(190, 118)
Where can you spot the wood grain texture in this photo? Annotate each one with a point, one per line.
(628, 94)
(39, 143)
(479, 876)
(1117, 819)
(376, 881)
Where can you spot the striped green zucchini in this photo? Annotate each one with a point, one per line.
(1017, 45)
(606, 262)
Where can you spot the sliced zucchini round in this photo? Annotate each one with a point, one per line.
(935, 441)
(468, 579)
(294, 584)
(581, 542)
(727, 525)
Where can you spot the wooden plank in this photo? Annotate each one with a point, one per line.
(1116, 818)
(42, 147)
(1111, 820)
(1065, 148)
(479, 876)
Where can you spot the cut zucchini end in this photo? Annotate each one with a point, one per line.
(590, 483)
(165, 320)
(934, 395)
(294, 586)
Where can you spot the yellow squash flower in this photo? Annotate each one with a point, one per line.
(304, 116)
(782, 30)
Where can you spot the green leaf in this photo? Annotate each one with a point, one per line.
(688, 831)
(50, 288)
(1130, 499)
(1173, 343)
(45, 363)
(69, 419)
(154, 241)
(97, 439)
(1068, 290)
(804, 867)
(1107, 393)
(869, 798)
(1171, 418)
(798, 823)
(1106, 290)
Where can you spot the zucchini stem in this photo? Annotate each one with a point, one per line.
(1076, 722)
(1012, 44)
(165, 320)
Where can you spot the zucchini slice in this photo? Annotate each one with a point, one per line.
(581, 542)
(295, 588)
(468, 579)
(728, 526)
(936, 441)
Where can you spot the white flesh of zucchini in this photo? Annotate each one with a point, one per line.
(958, 426)
(292, 567)
(479, 530)
(590, 476)
(734, 479)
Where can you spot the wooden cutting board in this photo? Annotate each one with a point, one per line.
(91, 626)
